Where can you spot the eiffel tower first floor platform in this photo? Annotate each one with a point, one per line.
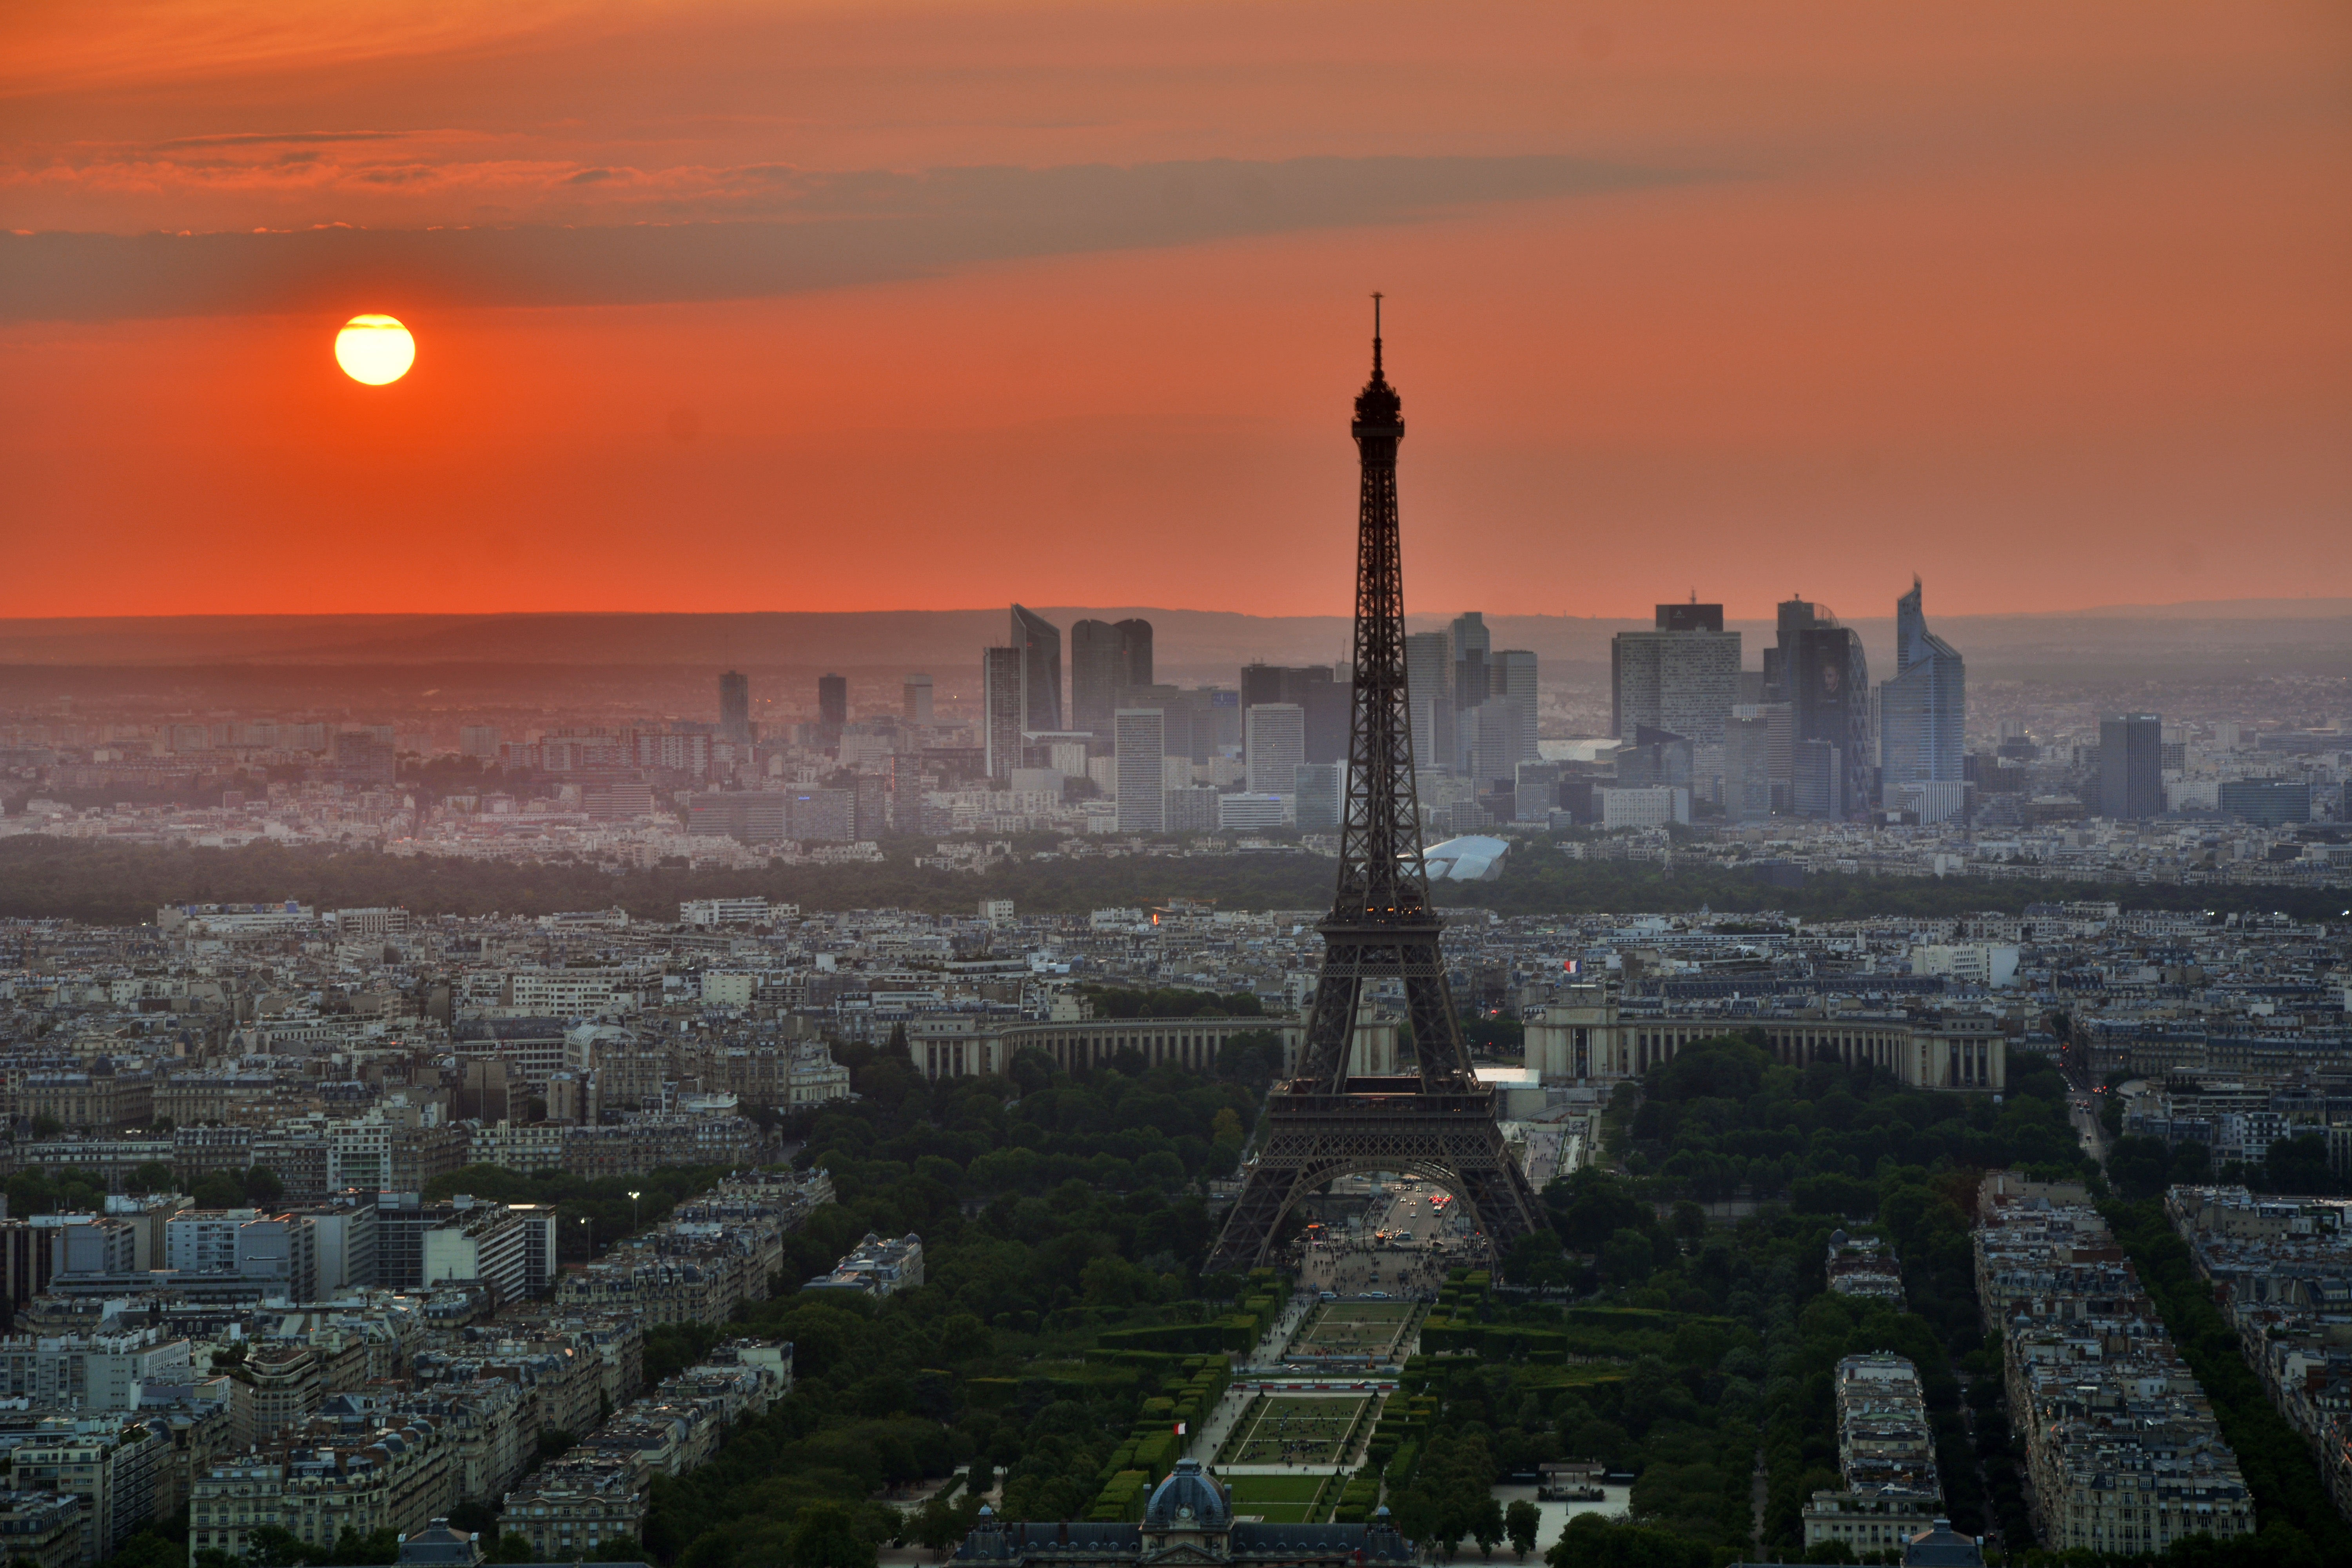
(1378, 1124)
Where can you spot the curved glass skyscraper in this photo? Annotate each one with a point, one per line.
(1922, 716)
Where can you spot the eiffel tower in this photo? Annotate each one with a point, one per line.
(1436, 1121)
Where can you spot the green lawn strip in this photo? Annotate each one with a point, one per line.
(1235, 1441)
(1301, 1490)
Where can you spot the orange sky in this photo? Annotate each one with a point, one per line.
(744, 306)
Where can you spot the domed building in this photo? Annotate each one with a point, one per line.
(1189, 1519)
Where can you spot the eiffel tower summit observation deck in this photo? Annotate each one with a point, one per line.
(1435, 1120)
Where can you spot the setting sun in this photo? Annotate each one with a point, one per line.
(376, 350)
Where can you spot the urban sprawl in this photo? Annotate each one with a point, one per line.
(272, 1297)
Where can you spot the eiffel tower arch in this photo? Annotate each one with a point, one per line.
(1437, 1122)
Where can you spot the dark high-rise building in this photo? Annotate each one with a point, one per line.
(1474, 649)
(1316, 689)
(1795, 616)
(2131, 776)
(1827, 679)
(1040, 642)
(832, 703)
(1691, 617)
(1429, 678)
(1104, 658)
(734, 706)
(1513, 673)
(1095, 674)
(1135, 649)
(364, 758)
(1000, 698)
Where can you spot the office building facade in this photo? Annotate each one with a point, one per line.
(1816, 780)
(1474, 649)
(1428, 692)
(1105, 657)
(1756, 759)
(1320, 796)
(365, 759)
(1273, 745)
(1139, 735)
(1922, 711)
(1515, 682)
(734, 706)
(1491, 733)
(915, 699)
(1192, 718)
(2131, 773)
(832, 703)
(1826, 678)
(1320, 691)
(999, 697)
(1039, 642)
(1682, 676)
(2266, 803)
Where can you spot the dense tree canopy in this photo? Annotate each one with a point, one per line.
(116, 883)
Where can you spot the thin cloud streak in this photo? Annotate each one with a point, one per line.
(845, 229)
(264, 138)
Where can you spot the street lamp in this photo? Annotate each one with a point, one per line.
(635, 1223)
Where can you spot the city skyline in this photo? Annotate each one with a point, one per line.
(1770, 293)
(620, 944)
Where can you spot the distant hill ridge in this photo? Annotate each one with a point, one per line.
(2302, 634)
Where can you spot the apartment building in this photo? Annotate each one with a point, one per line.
(2283, 1267)
(528, 1147)
(92, 1373)
(275, 1254)
(41, 1528)
(341, 1471)
(876, 1267)
(121, 1473)
(566, 992)
(2122, 1447)
(577, 1501)
(1886, 1456)
(482, 1242)
(100, 1098)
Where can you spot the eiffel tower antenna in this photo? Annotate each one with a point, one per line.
(1330, 1121)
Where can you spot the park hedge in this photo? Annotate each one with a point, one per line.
(1122, 1499)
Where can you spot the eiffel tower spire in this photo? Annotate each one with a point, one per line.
(1330, 1121)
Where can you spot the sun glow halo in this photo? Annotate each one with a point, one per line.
(376, 350)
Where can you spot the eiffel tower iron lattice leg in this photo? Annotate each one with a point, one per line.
(1437, 1122)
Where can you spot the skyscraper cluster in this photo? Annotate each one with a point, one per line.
(1473, 708)
(1270, 750)
(1804, 737)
